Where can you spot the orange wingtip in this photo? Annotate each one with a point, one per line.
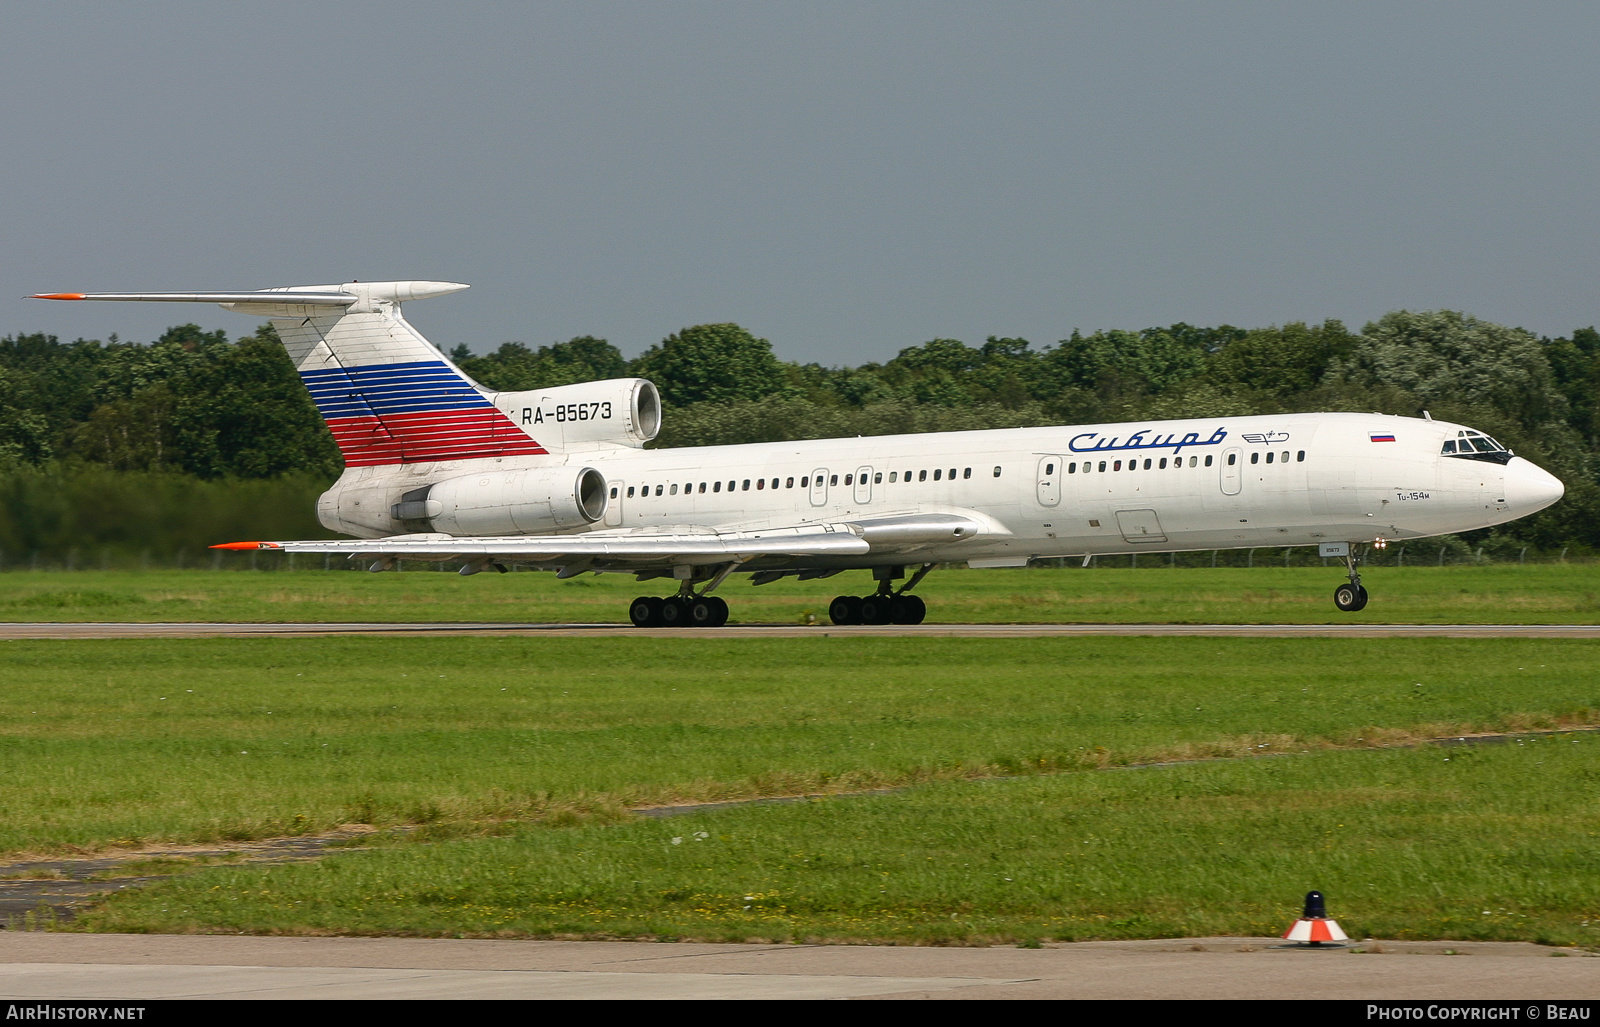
(57, 296)
(245, 545)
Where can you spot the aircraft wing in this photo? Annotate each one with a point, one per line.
(650, 546)
(663, 546)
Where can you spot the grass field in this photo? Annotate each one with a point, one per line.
(1432, 843)
(1501, 593)
(518, 759)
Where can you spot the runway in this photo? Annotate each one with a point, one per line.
(129, 968)
(15, 631)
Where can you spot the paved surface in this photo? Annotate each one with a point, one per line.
(204, 630)
(131, 967)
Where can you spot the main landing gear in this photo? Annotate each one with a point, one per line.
(1351, 597)
(885, 606)
(679, 611)
(687, 609)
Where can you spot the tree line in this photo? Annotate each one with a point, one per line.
(194, 417)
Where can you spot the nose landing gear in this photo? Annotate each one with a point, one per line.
(1352, 596)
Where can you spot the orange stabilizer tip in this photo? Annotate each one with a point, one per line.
(56, 296)
(243, 545)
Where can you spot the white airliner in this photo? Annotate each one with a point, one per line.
(438, 468)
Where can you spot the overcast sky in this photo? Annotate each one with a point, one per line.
(844, 179)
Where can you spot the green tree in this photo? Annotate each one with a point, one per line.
(516, 368)
(718, 363)
(1281, 362)
(1446, 356)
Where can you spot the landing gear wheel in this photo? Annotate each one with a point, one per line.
(908, 609)
(708, 612)
(645, 612)
(675, 611)
(1349, 597)
(845, 610)
(877, 609)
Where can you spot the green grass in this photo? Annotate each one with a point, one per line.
(1502, 593)
(1490, 842)
(195, 740)
(516, 762)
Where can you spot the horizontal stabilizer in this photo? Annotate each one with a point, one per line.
(315, 299)
(285, 302)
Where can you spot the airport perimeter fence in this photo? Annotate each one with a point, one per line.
(1446, 551)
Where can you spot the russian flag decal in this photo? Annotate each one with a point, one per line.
(1381, 437)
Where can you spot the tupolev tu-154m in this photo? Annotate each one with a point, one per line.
(439, 468)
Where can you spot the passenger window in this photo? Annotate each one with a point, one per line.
(1255, 458)
(805, 482)
(613, 492)
(1147, 465)
(731, 485)
(936, 473)
(702, 488)
(1117, 466)
(1072, 468)
(894, 476)
(952, 474)
(673, 491)
(716, 486)
(922, 475)
(630, 491)
(997, 470)
(1163, 465)
(1269, 458)
(1301, 457)
(658, 490)
(966, 473)
(761, 483)
(833, 479)
(877, 478)
(746, 487)
(774, 482)
(1102, 466)
(1283, 458)
(849, 478)
(1192, 460)
(788, 483)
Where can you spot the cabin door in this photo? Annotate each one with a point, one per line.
(614, 503)
(863, 485)
(1049, 490)
(819, 487)
(1232, 471)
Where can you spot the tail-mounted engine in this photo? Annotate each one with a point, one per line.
(618, 411)
(506, 502)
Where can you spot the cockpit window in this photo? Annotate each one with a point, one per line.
(1471, 445)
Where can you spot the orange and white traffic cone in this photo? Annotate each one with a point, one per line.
(1314, 927)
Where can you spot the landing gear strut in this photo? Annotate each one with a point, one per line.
(1352, 596)
(885, 606)
(687, 609)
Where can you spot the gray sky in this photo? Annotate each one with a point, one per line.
(845, 179)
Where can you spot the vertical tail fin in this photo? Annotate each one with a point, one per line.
(389, 395)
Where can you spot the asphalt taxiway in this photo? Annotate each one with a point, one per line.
(132, 967)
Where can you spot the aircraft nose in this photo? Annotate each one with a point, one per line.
(1530, 488)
